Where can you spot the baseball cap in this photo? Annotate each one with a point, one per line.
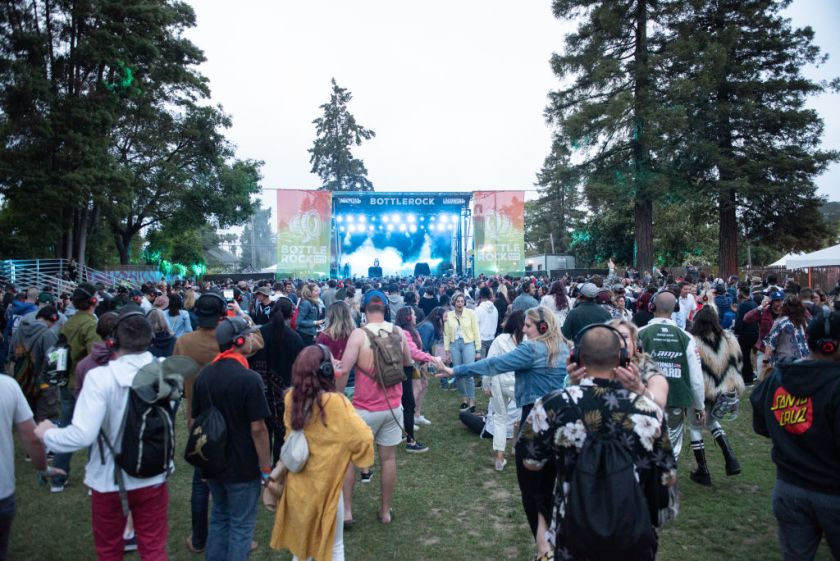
(231, 328)
(776, 295)
(209, 308)
(46, 298)
(371, 294)
(589, 290)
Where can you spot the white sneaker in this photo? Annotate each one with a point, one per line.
(500, 465)
(421, 420)
(416, 427)
(56, 487)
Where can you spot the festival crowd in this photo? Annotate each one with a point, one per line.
(296, 391)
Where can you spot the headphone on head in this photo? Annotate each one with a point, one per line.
(623, 355)
(542, 325)
(114, 343)
(325, 369)
(92, 297)
(652, 305)
(825, 344)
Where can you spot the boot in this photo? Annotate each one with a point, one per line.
(733, 466)
(700, 475)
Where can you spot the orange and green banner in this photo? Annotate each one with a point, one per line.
(303, 233)
(499, 218)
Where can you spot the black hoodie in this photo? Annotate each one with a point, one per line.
(798, 407)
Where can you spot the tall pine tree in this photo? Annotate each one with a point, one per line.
(558, 211)
(749, 145)
(330, 154)
(608, 111)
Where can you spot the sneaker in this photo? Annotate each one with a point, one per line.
(421, 420)
(465, 406)
(500, 464)
(472, 408)
(416, 447)
(366, 476)
(192, 548)
(56, 487)
(28, 458)
(130, 544)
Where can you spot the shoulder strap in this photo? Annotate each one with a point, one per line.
(118, 476)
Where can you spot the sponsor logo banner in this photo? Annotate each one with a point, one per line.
(499, 232)
(303, 233)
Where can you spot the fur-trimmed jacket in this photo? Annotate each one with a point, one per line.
(722, 361)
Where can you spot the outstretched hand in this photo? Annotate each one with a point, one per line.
(444, 372)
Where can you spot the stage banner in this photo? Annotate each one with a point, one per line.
(499, 219)
(303, 233)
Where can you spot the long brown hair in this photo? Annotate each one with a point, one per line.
(308, 385)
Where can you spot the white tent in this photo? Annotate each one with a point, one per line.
(783, 262)
(828, 257)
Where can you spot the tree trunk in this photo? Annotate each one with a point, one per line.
(643, 214)
(122, 248)
(728, 236)
(81, 237)
(643, 207)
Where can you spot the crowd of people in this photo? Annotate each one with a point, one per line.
(587, 376)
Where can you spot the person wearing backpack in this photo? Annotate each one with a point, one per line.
(236, 459)
(35, 337)
(378, 351)
(614, 461)
(100, 419)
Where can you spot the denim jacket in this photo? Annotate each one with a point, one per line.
(528, 362)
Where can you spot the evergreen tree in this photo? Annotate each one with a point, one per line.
(609, 111)
(330, 156)
(558, 211)
(750, 147)
(258, 241)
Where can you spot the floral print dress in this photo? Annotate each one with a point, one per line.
(558, 426)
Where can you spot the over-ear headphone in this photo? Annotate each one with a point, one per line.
(623, 355)
(652, 305)
(825, 344)
(239, 340)
(542, 325)
(113, 342)
(326, 367)
(92, 297)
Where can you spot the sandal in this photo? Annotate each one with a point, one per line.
(547, 556)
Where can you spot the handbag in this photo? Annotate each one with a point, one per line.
(295, 451)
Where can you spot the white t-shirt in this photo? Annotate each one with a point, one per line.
(13, 410)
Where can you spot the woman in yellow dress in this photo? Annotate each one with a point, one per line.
(309, 514)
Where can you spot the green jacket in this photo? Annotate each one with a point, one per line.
(80, 332)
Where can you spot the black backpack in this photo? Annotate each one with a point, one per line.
(207, 442)
(607, 515)
(147, 441)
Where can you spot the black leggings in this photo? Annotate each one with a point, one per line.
(408, 403)
(537, 487)
(474, 422)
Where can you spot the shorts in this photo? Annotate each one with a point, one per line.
(386, 430)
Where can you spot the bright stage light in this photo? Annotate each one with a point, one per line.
(385, 218)
(339, 219)
(451, 226)
(412, 228)
(349, 218)
(453, 218)
(431, 219)
(362, 218)
(421, 219)
(370, 228)
(390, 227)
(443, 218)
(440, 227)
(341, 229)
(351, 228)
(402, 227)
(395, 218)
(411, 218)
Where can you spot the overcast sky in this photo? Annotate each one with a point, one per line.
(455, 90)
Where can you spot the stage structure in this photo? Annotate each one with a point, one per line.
(346, 234)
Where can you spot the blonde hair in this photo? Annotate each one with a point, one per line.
(553, 337)
(340, 322)
(306, 292)
(189, 299)
(158, 321)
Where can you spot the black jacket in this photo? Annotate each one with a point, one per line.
(745, 329)
(798, 407)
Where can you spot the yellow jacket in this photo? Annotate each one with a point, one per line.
(305, 519)
(469, 328)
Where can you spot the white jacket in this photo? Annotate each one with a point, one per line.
(488, 320)
(101, 404)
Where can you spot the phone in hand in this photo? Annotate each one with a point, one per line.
(228, 294)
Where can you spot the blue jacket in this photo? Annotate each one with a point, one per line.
(17, 309)
(528, 361)
(307, 316)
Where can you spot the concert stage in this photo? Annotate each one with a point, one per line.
(343, 234)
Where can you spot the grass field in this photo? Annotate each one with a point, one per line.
(450, 504)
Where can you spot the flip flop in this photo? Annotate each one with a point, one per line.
(348, 524)
(390, 515)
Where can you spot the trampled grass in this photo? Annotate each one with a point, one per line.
(450, 504)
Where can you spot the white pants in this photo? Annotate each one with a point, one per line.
(338, 542)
